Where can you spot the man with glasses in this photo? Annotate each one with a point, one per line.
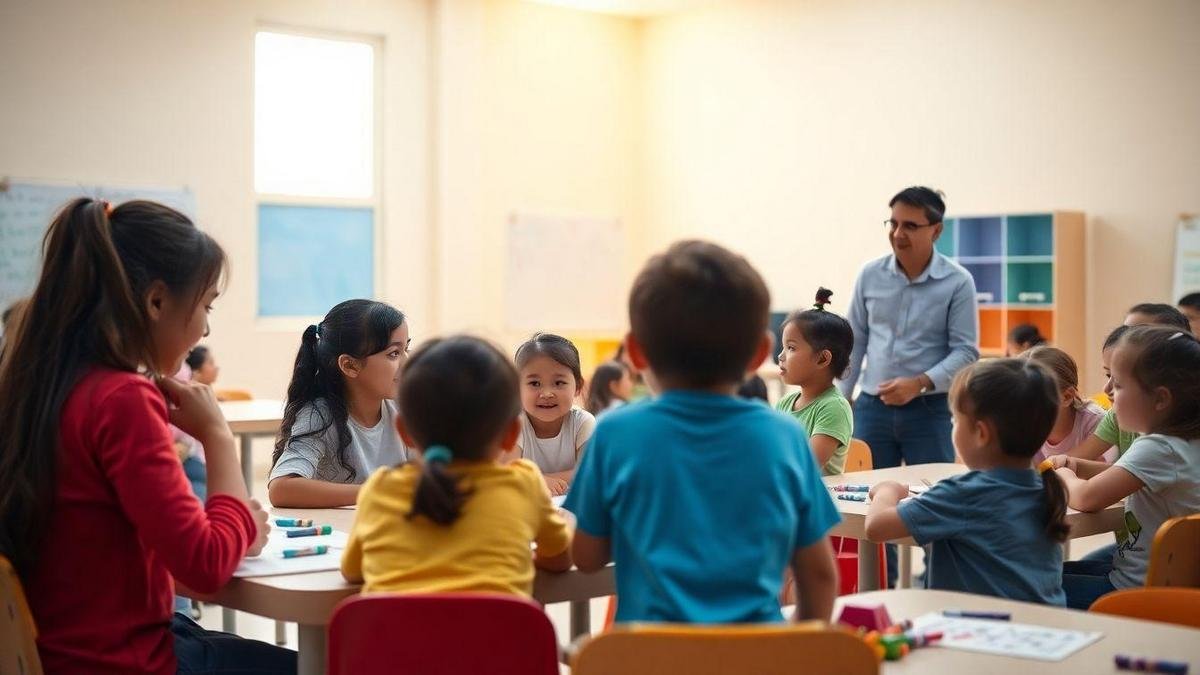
(915, 323)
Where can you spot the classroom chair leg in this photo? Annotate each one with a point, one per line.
(1066, 547)
(228, 620)
(905, 580)
(280, 633)
(581, 618)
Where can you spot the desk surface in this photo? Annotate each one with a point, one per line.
(259, 416)
(1121, 636)
(854, 514)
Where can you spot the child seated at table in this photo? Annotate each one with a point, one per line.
(459, 520)
(996, 529)
(701, 498)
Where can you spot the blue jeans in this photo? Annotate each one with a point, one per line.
(1086, 580)
(916, 433)
(208, 651)
(197, 476)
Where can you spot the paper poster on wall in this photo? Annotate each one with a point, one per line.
(1187, 257)
(26, 209)
(564, 273)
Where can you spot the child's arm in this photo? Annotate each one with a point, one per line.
(296, 492)
(816, 581)
(562, 561)
(591, 554)
(1100, 492)
(1084, 468)
(352, 558)
(1091, 448)
(559, 482)
(883, 519)
(823, 448)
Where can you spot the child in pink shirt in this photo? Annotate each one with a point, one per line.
(1077, 419)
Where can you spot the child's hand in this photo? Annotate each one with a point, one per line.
(557, 486)
(259, 514)
(194, 409)
(1064, 462)
(889, 488)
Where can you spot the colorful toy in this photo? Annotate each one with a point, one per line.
(868, 616)
(895, 642)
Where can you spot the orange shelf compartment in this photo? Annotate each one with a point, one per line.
(991, 330)
(1042, 318)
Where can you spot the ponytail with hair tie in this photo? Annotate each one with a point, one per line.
(823, 296)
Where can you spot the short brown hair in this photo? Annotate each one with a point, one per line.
(699, 312)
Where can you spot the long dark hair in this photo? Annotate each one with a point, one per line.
(356, 328)
(1020, 398)
(88, 309)
(600, 394)
(825, 331)
(460, 393)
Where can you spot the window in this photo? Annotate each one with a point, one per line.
(315, 171)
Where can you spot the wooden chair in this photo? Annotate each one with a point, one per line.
(1179, 606)
(651, 649)
(858, 456)
(18, 634)
(441, 634)
(1175, 553)
(233, 395)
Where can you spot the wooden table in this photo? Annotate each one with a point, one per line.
(1121, 636)
(309, 599)
(854, 514)
(248, 420)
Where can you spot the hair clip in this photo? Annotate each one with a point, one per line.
(1178, 334)
(316, 330)
(437, 453)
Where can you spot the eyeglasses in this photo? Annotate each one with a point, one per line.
(906, 225)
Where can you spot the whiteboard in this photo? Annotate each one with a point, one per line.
(564, 273)
(26, 209)
(1187, 257)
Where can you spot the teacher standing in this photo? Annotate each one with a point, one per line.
(916, 325)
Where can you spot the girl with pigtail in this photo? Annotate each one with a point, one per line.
(460, 520)
(816, 351)
(338, 421)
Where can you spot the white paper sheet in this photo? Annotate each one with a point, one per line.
(271, 561)
(1004, 638)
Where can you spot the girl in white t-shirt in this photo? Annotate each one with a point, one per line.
(1077, 419)
(1156, 393)
(553, 430)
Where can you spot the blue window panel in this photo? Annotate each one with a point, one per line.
(312, 257)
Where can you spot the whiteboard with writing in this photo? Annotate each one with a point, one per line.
(26, 209)
(564, 273)
(1187, 257)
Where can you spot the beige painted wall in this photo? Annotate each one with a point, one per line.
(782, 128)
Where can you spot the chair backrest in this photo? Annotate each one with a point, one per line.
(233, 395)
(1175, 553)
(858, 456)
(18, 634)
(1170, 605)
(716, 650)
(441, 634)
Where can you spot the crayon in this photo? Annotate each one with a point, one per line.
(299, 552)
(1141, 665)
(311, 531)
(293, 522)
(922, 639)
(850, 487)
(852, 496)
(995, 616)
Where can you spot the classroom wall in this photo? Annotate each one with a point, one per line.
(490, 106)
(783, 127)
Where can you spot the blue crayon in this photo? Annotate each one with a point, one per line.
(852, 496)
(962, 614)
(1141, 665)
(311, 531)
(300, 552)
(293, 522)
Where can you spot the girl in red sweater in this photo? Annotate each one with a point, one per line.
(95, 510)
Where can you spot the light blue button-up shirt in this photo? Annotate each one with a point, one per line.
(905, 328)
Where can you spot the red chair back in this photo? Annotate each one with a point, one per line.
(441, 634)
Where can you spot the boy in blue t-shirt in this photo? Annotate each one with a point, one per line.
(702, 499)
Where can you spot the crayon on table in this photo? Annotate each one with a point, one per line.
(852, 496)
(293, 522)
(1142, 665)
(311, 531)
(850, 487)
(961, 614)
(300, 552)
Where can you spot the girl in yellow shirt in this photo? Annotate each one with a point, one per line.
(459, 520)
